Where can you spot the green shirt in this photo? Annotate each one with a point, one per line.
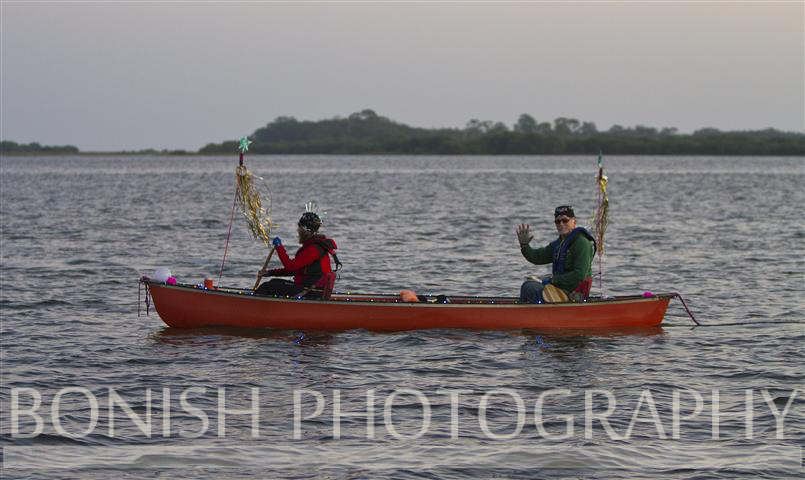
(578, 263)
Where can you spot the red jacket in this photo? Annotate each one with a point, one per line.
(310, 262)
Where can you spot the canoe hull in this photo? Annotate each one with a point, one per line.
(181, 306)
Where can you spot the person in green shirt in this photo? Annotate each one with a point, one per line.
(571, 256)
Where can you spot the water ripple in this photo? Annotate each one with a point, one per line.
(697, 225)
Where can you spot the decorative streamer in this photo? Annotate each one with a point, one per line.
(249, 200)
(601, 219)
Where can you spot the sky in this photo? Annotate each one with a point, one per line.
(105, 75)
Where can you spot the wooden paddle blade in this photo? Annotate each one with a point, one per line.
(553, 294)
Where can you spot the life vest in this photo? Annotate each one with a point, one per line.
(559, 251)
(313, 272)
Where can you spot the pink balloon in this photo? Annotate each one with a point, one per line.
(648, 294)
(171, 281)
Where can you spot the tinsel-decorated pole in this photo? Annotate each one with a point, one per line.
(249, 199)
(601, 219)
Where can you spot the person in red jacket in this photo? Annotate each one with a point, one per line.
(309, 264)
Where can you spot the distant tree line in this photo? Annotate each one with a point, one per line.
(366, 132)
(14, 147)
(9, 147)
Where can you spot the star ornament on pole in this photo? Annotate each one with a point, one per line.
(244, 144)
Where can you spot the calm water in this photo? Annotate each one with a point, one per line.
(728, 233)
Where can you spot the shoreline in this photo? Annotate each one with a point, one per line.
(394, 154)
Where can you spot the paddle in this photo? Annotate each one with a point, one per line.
(265, 265)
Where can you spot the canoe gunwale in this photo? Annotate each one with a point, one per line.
(393, 300)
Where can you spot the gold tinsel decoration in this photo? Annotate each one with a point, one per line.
(601, 218)
(251, 205)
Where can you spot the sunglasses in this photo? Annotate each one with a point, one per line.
(560, 221)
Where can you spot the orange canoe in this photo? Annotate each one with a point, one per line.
(191, 306)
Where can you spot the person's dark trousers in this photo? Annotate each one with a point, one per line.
(278, 287)
(531, 292)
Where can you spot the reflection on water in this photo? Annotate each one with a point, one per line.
(195, 336)
(570, 333)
